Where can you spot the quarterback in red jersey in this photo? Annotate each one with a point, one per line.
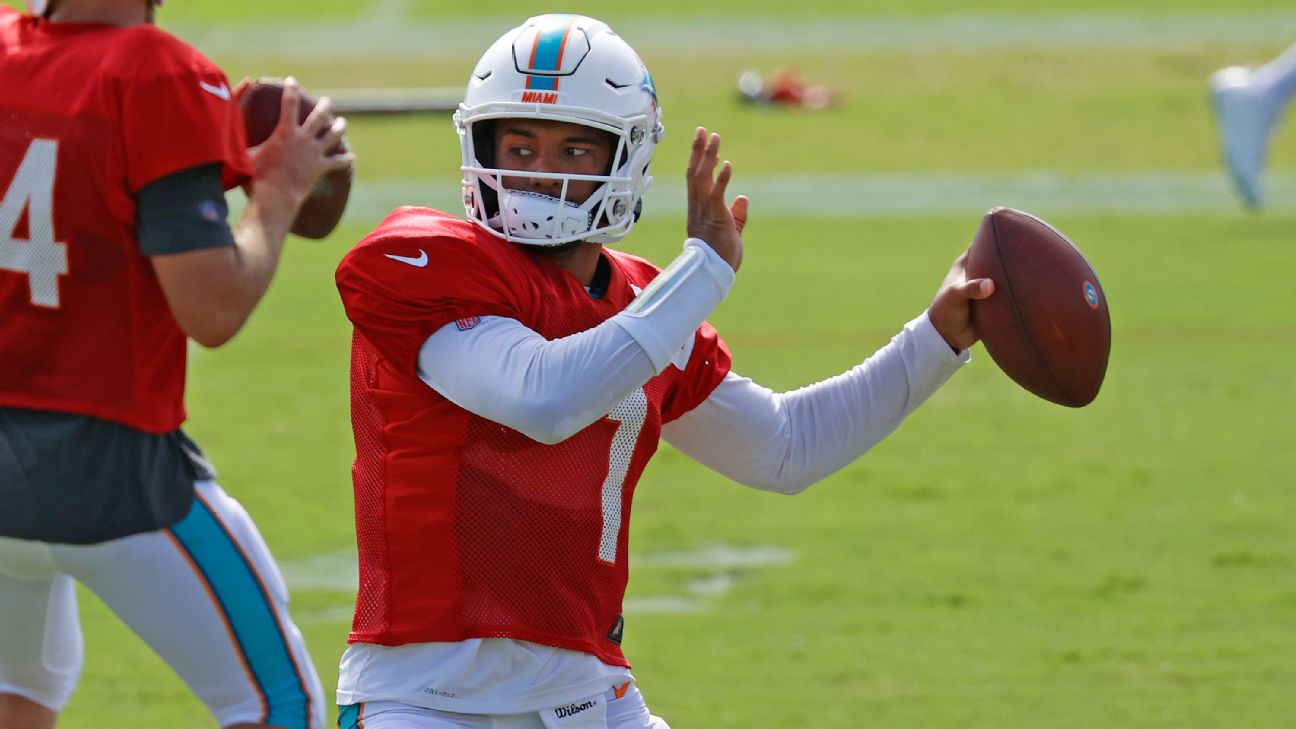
(512, 376)
(117, 142)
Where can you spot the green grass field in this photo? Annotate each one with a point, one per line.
(1000, 561)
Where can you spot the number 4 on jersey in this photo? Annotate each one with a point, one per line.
(39, 256)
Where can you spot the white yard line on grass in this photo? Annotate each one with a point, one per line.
(896, 195)
(387, 31)
(723, 566)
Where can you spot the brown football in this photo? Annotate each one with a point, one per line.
(260, 102)
(1047, 325)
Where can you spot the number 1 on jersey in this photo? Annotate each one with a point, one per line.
(629, 414)
(39, 256)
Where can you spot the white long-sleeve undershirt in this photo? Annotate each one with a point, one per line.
(551, 389)
(785, 442)
(548, 390)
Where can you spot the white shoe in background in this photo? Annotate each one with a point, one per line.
(1246, 116)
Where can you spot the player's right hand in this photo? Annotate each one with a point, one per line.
(295, 155)
(709, 219)
(951, 309)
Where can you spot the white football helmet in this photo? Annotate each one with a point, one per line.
(567, 68)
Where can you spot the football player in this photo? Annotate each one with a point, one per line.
(116, 146)
(512, 375)
(1249, 103)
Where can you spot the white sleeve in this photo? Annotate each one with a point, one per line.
(785, 442)
(686, 291)
(549, 390)
(546, 390)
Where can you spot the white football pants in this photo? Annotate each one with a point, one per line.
(625, 712)
(204, 594)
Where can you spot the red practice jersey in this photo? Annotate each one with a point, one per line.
(90, 114)
(467, 528)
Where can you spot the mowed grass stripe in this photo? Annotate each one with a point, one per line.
(389, 34)
(439, 10)
(1080, 111)
(847, 196)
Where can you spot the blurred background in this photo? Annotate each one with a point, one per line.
(1000, 561)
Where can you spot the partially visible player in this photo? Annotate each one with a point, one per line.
(117, 142)
(512, 376)
(1249, 103)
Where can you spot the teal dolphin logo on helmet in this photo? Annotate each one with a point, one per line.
(647, 85)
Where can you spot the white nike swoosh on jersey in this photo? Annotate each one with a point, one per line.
(221, 92)
(418, 262)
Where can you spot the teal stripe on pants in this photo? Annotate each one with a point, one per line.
(250, 613)
(349, 716)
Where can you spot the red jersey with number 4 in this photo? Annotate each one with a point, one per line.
(467, 528)
(90, 114)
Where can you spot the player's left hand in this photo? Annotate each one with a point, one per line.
(297, 154)
(709, 218)
(951, 310)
